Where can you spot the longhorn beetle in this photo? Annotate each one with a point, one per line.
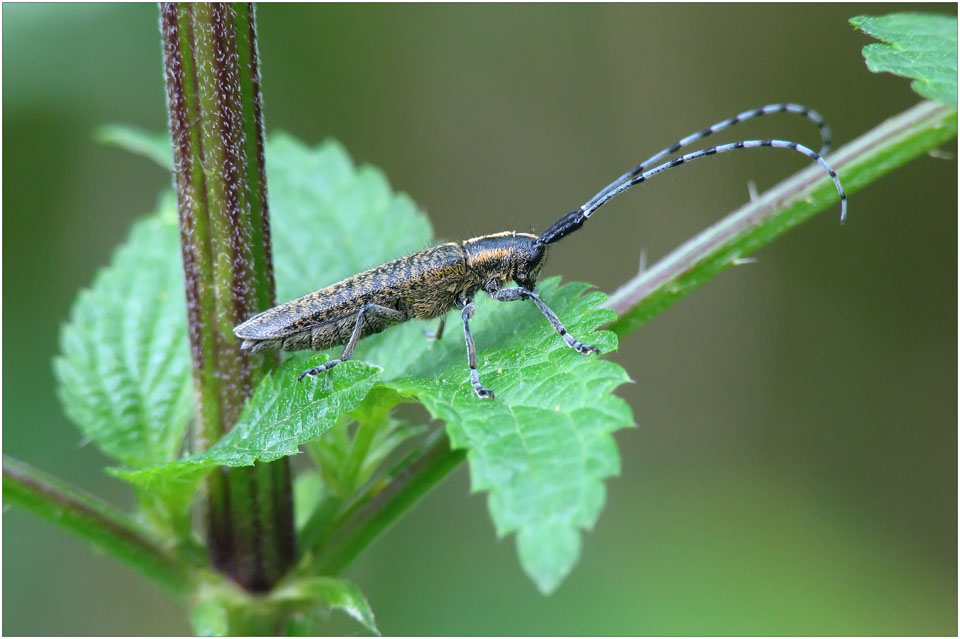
(429, 283)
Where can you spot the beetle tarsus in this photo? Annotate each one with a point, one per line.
(313, 372)
(482, 393)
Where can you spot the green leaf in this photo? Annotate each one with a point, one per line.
(920, 46)
(544, 445)
(153, 146)
(282, 414)
(124, 371)
(324, 594)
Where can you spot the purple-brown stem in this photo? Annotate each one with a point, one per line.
(216, 127)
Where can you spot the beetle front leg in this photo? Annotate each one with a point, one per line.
(466, 314)
(521, 293)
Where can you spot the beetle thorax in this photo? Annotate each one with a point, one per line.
(505, 256)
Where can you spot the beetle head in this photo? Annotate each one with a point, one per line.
(529, 256)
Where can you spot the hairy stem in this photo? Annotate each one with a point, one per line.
(95, 521)
(216, 126)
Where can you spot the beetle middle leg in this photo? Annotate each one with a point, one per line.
(521, 293)
(437, 334)
(367, 310)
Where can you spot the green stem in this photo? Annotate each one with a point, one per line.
(911, 134)
(95, 521)
(378, 509)
(318, 526)
(359, 447)
(216, 126)
(893, 143)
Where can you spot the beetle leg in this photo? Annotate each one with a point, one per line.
(437, 334)
(482, 393)
(520, 293)
(373, 310)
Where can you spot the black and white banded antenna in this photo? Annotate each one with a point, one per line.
(797, 109)
(641, 173)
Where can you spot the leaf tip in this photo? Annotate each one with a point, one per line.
(548, 554)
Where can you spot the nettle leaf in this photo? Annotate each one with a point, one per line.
(323, 595)
(153, 146)
(332, 220)
(920, 46)
(544, 445)
(124, 368)
(282, 415)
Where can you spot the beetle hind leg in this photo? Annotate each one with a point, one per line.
(371, 310)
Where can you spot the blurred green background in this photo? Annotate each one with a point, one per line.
(794, 467)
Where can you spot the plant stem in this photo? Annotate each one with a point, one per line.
(216, 125)
(909, 135)
(320, 523)
(375, 511)
(95, 521)
(891, 144)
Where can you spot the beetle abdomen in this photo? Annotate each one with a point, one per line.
(321, 336)
(422, 285)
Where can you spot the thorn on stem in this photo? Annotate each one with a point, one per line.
(643, 261)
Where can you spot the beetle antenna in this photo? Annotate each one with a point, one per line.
(575, 219)
(797, 109)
